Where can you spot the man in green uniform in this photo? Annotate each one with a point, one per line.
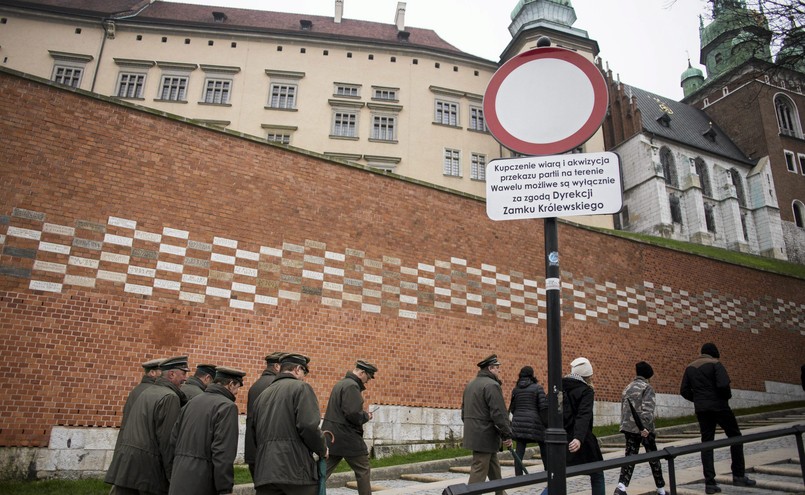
(196, 384)
(205, 438)
(151, 373)
(286, 432)
(486, 421)
(143, 463)
(262, 383)
(345, 418)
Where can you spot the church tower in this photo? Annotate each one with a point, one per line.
(532, 19)
(735, 35)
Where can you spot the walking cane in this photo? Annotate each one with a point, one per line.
(323, 466)
(518, 461)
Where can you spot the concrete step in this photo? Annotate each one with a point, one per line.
(765, 483)
(460, 469)
(375, 488)
(420, 478)
(780, 470)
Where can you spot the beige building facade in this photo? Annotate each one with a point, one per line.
(388, 96)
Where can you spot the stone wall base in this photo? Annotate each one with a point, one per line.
(86, 452)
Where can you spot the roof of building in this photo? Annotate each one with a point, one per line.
(227, 18)
(684, 124)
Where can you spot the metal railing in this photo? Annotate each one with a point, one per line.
(668, 453)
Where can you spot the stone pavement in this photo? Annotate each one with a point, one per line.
(688, 473)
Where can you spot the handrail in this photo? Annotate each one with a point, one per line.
(668, 453)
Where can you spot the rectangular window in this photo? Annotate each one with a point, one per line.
(446, 113)
(452, 162)
(217, 91)
(278, 138)
(790, 162)
(477, 122)
(347, 90)
(345, 124)
(174, 88)
(385, 94)
(69, 76)
(282, 96)
(801, 164)
(478, 167)
(384, 128)
(130, 85)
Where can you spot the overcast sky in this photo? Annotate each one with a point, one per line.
(647, 42)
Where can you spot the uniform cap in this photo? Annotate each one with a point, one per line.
(299, 359)
(152, 364)
(489, 361)
(225, 372)
(274, 357)
(175, 363)
(206, 368)
(366, 366)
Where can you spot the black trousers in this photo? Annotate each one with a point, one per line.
(520, 446)
(633, 441)
(707, 425)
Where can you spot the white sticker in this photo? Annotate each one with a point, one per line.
(552, 284)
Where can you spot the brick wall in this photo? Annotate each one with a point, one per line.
(128, 235)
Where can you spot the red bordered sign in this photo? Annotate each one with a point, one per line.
(545, 101)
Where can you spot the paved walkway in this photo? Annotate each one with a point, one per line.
(688, 471)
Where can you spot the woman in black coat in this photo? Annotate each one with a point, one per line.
(577, 410)
(528, 408)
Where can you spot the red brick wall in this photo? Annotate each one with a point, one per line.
(77, 171)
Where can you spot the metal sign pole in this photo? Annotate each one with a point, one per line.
(555, 436)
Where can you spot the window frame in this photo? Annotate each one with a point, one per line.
(450, 117)
(290, 82)
(336, 128)
(346, 90)
(377, 135)
(139, 94)
(227, 92)
(478, 166)
(790, 161)
(66, 67)
(453, 168)
(392, 94)
(477, 117)
(787, 114)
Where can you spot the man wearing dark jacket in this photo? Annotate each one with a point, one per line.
(262, 383)
(143, 465)
(151, 373)
(286, 432)
(205, 438)
(486, 421)
(345, 418)
(196, 384)
(707, 385)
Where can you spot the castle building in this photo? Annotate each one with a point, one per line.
(386, 96)
(758, 101)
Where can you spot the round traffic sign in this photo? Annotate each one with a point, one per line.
(545, 101)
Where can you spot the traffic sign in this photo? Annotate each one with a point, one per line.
(545, 101)
(553, 186)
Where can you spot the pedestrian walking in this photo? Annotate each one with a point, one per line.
(262, 383)
(529, 409)
(196, 384)
(707, 384)
(151, 372)
(577, 411)
(205, 438)
(486, 421)
(345, 418)
(143, 466)
(287, 434)
(637, 425)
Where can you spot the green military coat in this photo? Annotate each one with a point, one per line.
(345, 417)
(193, 387)
(146, 382)
(286, 433)
(483, 410)
(255, 390)
(205, 443)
